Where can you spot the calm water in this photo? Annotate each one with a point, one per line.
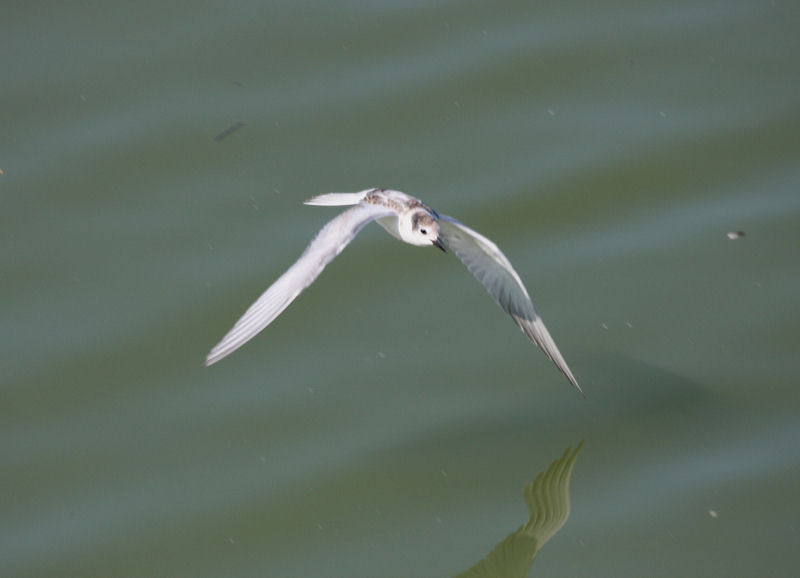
(386, 424)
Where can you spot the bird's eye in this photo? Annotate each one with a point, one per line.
(423, 231)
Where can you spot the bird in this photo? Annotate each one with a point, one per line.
(413, 222)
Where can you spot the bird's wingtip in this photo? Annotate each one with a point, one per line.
(571, 379)
(212, 357)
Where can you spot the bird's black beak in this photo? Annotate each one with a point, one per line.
(438, 243)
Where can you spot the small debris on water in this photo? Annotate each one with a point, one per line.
(735, 234)
(229, 131)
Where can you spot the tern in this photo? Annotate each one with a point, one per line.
(412, 221)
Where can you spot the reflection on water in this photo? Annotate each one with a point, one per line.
(547, 498)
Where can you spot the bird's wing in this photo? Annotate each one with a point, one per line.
(328, 243)
(489, 266)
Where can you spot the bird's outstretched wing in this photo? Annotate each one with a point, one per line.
(489, 266)
(328, 243)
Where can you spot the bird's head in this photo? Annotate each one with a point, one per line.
(419, 227)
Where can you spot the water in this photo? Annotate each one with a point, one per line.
(386, 424)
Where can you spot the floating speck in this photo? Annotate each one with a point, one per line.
(229, 131)
(712, 513)
(735, 234)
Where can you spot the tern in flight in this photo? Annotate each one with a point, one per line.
(413, 222)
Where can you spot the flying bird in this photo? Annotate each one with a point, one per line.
(413, 222)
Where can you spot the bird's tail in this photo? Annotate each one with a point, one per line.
(337, 199)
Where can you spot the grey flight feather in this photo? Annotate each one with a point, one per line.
(328, 243)
(489, 266)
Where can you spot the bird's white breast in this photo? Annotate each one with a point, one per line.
(391, 226)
